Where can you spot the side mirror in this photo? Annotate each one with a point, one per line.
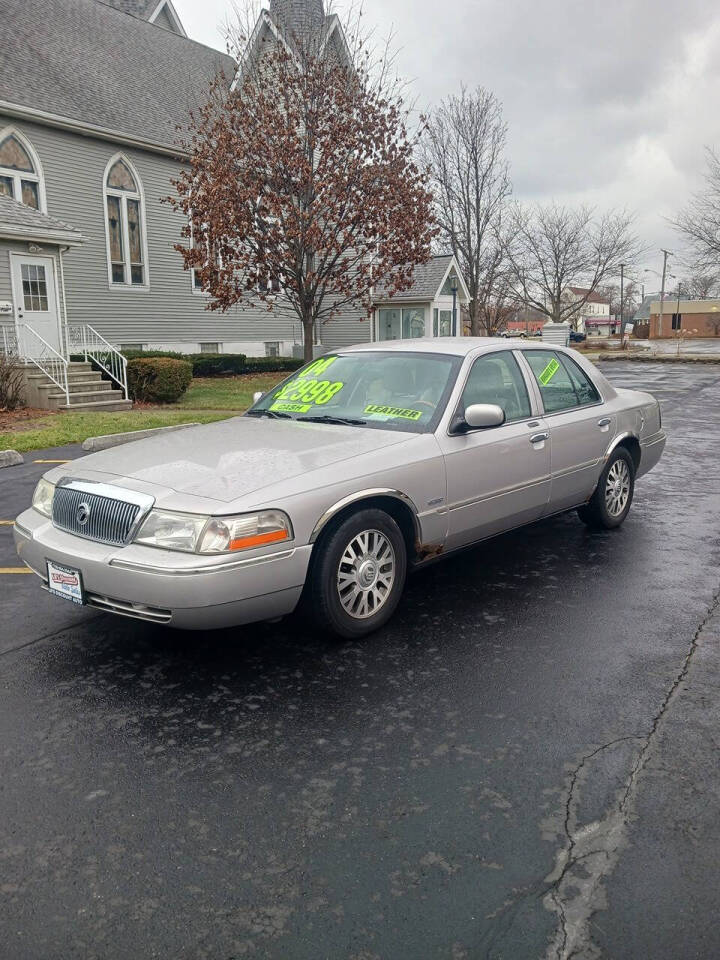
(258, 396)
(480, 416)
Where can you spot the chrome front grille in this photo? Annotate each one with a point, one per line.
(98, 511)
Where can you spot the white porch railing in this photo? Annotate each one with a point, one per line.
(46, 359)
(84, 339)
(9, 342)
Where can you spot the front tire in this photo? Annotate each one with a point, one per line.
(610, 504)
(359, 574)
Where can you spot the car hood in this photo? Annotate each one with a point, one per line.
(230, 459)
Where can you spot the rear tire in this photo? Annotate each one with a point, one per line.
(610, 504)
(359, 574)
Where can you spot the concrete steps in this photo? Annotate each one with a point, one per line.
(87, 388)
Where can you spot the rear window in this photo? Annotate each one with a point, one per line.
(562, 383)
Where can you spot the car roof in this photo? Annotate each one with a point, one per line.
(453, 346)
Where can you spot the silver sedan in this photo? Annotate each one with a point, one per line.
(366, 463)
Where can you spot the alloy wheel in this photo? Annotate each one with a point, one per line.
(366, 574)
(617, 488)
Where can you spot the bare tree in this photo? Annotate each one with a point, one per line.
(701, 283)
(302, 192)
(464, 149)
(555, 246)
(632, 298)
(699, 222)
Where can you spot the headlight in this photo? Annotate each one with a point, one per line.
(171, 531)
(229, 534)
(43, 497)
(190, 533)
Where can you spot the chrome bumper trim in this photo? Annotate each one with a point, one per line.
(220, 567)
(23, 531)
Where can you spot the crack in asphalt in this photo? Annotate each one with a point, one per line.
(576, 894)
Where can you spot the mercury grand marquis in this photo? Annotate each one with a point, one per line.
(364, 464)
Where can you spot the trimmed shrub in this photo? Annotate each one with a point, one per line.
(222, 364)
(272, 364)
(158, 379)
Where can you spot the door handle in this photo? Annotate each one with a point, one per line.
(605, 422)
(539, 437)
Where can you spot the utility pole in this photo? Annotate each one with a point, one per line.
(622, 304)
(666, 254)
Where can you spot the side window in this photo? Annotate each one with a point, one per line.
(584, 387)
(560, 386)
(496, 378)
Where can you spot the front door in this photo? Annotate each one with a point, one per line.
(497, 478)
(36, 306)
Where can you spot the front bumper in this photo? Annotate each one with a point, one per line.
(187, 591)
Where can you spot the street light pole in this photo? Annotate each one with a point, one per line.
(454, 293)
(666, 254)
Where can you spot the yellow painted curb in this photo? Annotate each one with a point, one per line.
(15, 570)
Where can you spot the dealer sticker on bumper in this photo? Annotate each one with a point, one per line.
(65, 582)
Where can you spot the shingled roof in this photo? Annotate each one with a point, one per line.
(88, 62)
(136, 8)
(425, 283)
(24, 223)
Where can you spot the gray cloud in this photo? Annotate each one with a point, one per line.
(607, 102)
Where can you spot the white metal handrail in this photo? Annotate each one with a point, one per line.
(47, 360)
(9, 342)
(84, 339)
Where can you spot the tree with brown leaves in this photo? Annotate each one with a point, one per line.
(301, 191)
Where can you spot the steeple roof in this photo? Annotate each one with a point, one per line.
(298, 19)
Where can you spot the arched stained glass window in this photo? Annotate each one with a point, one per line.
(20, 174)
(125, 225)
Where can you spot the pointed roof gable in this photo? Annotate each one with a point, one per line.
(160, 12)
(428, 279)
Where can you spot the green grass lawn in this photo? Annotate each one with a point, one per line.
(206, 400)
(226, 393)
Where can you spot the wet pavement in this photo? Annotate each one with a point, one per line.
(522, 764)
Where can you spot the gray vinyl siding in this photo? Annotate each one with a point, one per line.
(169, 311)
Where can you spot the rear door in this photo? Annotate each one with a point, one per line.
(580, 426)
(497, 478)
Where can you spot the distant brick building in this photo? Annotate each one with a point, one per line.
(702, 316)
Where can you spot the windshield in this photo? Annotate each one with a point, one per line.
(387, 391)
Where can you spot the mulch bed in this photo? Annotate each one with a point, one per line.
(24, 419)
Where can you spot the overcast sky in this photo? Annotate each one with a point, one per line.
(609, 103)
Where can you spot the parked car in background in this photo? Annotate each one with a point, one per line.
(514, 334)
(364, 464)
(577, 337)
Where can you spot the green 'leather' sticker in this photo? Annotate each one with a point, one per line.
(401, 412)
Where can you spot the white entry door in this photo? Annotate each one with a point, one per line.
(36, 303)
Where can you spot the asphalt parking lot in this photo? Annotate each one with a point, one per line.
(522, 764)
